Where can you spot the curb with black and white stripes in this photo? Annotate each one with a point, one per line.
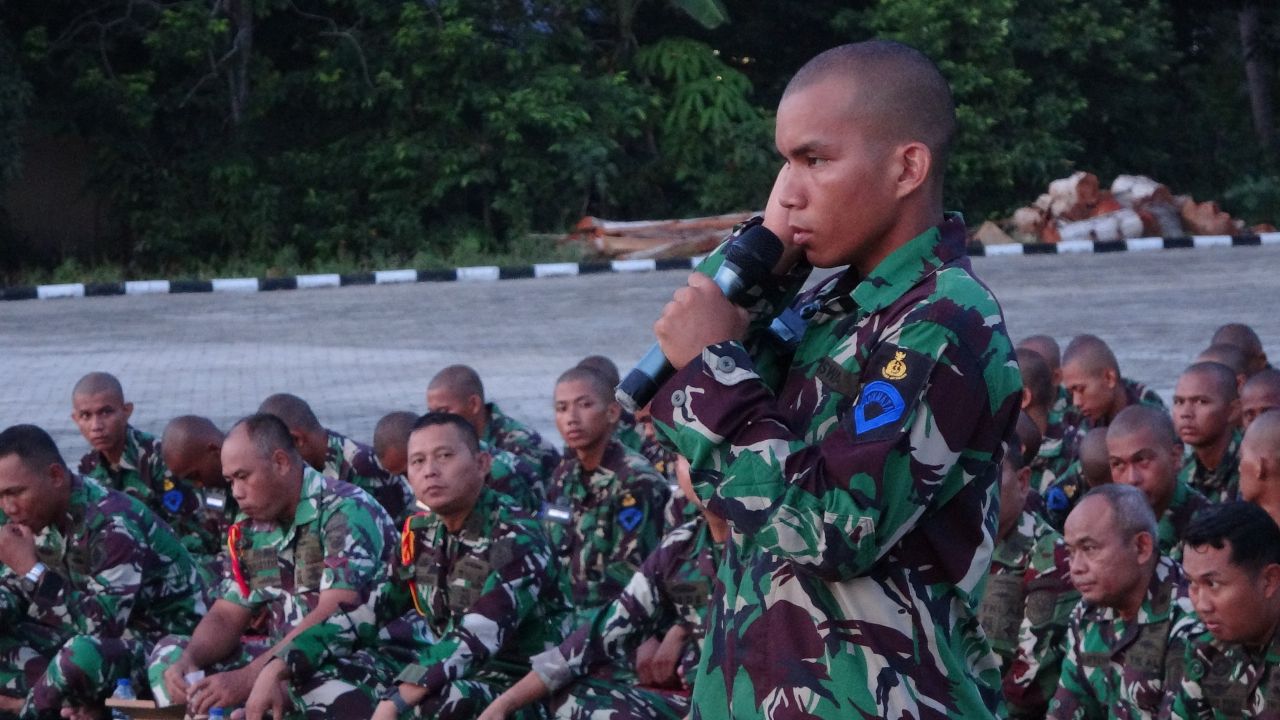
(485, 273)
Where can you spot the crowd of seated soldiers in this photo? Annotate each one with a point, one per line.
(460, 566)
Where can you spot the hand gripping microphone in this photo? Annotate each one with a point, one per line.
(749, 259)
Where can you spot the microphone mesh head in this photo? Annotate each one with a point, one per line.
(755, 253)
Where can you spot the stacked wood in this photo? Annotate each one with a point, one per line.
(653, 239)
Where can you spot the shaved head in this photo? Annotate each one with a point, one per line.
(598, 383)
(1046, 347)
(1261, 393)
(294, 411)
(1095, 465)
(1037, 377)
(1092, 354)
(894, 91)
(1223, 379)
(1243, 337)
(1137, 418)
(191, 448)
(1029, 438)
(603, 365)
(98, 383)
(393, 431)
(1263, 436)
(1224, 354)
(459, 380)
(186, 430)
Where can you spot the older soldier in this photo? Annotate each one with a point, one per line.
(1098, 390)
(480, 570)
(1260, 464)
(1029, 597)
(306, 547)
(1144, 452)
(96, 580)
(1260, 394)
(1206, 412)
(1243, 337)
(1126, 637)
(1231, 668)
(856, 455)
(668, 596)
(457, 389)
(192, 449)
(604, 503)
(339, 457)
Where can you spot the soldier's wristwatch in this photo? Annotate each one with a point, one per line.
(36, 572)
(402, 705)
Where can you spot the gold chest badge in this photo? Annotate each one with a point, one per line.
(895, 369)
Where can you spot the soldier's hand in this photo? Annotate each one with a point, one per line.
(385, 711)
(697, 316)
(17, 547)
(268, 695)
(666, 660)
(175, 681)
(224, 689)
(644, 660)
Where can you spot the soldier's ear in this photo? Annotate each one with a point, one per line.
(1233, 411)
(1270, 577)
(485, 461)
(1026, 399)
(128, 410)
(1024, 480)
(613, 411)
(1145, 546)
(1110, 377)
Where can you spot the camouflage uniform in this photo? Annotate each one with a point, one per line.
(503, 431)
(492, 593)
(197, 516)
(1222, 484)
(1135, 394)
(1063, 496)
(672, 587)
(603, 523)
(340, 539)
(118, 580)
(516, 477)
(1058, 446)
(1223, 681)
(1175, 520)
(857, 466)
(1025, 610)
(1121, 669)
(632, 436)
(356, 463)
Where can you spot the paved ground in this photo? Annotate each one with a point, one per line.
(356, 353)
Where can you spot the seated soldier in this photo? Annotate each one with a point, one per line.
(1231, 667)
(1057, 439)
(1127, 634)
(1047, 348)
(667, 597)
(1144, 452)
(636, 430)
(126, 459)
(604, 503)
(1091, 468)
(95, 580)
(1243, 337)
(1029, 597)
(192, 450)
(1260, 394)
(482, 573)
(1229, 356)
(305, 546)
(1098, 391)
(457, 389)
(391, 442)
(1260, 464)
(1206, 412)
(339, 457)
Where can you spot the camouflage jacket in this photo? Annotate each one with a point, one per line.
(1058, 446)
(198, 516)
(1025, 611)
(491, 592)
(857, 467)
(505, 432)
(1175, 520)
(603, 523)
(1222, 484)
(632, 436)
(114, 570)
(1224, 681)
(1121, 669)
(516, 477)
(340, 539)
(1063, 496)
(356, 463)
(672, 587)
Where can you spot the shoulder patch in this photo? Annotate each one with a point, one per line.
(629, 518)
(895, 377)
(879, 404)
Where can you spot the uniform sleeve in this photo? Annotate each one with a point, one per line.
(1037, 662)
(1074, 698)
(103, 607)
(510, 593)
(636, 527)
(835, 506)
(1185, 698)
(354, 546)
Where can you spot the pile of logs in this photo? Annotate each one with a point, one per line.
(653, 239)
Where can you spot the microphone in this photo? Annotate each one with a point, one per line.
(749, 259)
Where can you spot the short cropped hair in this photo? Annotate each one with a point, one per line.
(392, 430)
(1139, 417)
(434, 419)
(602, 365)
(96, 383)
(32, 445)
(1036, 377)
(1092, 352)
(268, 433)
(462, 380)
(293, 410)
(598, 382)
(1221, 375)
(1129, 508)
(1253, 534)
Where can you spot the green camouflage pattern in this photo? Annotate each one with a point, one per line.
(1173, 523)
(1121, 669)
(858, 469)
(1135, 393)
(356, 463)
(1025, 611)
(505, 432)
(1058, 445)
(1226, 681)
(603, 523)
(1221, 484)
(516, 477)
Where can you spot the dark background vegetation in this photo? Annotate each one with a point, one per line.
(182, 137)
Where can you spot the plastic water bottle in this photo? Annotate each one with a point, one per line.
(124, 691)
(217, 714)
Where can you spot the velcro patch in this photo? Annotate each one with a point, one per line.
(894, 379)
(630, 518)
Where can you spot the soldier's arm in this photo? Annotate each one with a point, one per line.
(1037, 662)
(1074, 698)
(1185, 698)
(217, 636)
(637, 526)
(835, 506)
(509, 595)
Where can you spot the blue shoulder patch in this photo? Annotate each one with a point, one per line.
(1056, 500)
(629, 518)
(879, 404)
(172, 500)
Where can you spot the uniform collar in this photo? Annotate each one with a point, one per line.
(309, 504)
(334, 456)
(133, 438)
